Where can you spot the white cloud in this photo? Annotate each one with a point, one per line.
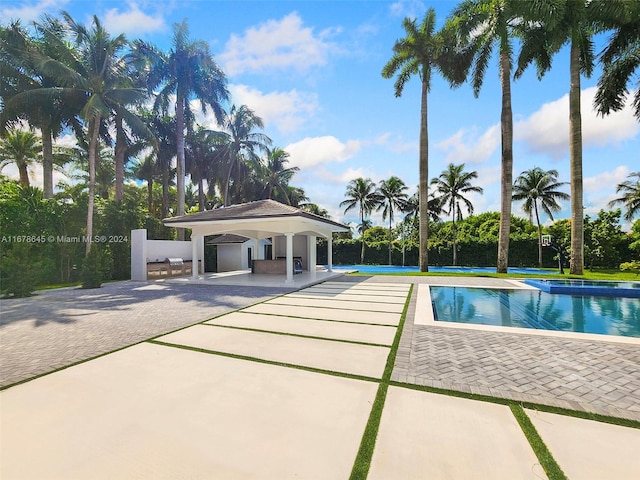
(313, 151)
(465, 146)
(547, 130)
(407, 8)
(344, 177)
(605, 179)
(30, 11)
(277, 44)
(395, 144)
(133, 21)
(287, 111)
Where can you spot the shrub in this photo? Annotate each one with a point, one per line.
(20, 270)
(95, 268)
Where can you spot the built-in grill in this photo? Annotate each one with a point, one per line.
(174, 263)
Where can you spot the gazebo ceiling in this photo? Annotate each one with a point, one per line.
(259, 219)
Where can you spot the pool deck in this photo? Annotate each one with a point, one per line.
(284, 387)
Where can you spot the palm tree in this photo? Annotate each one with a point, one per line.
(486, 25)
(22, 148)
(421, 51)
(630, 197)
(573, 22)
(361, 193)
(620, 59)
(451, 184)
(537, 186)
(276, 175)
(189, 72)
(164, 130)
(21, 75)
(243, 144)
(392, 195)
(92, 79)
(201, 157)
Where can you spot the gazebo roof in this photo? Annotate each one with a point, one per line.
(259, 219)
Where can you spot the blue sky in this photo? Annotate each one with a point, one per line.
(311, 70)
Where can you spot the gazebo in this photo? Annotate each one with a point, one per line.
(292, 231)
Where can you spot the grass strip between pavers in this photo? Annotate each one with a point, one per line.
(551, 467)
(271, 302)
(297, 335)
(266, 362)
(362, 463)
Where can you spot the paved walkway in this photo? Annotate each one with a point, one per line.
(278, 390)
(594, 376)
(59, 327)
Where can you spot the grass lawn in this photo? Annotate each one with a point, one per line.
(604, 274)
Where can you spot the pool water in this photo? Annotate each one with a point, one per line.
(537, 309)
(382, 269)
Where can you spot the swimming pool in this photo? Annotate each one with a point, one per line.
(588, 287)
(537, 309)
(382, 269)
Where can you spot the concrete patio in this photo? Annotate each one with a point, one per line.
(280, 389)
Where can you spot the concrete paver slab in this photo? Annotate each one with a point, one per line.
(378, 334)
(348, 296)
(342, 357)
(344, 305)
(357, 291)
(424, 435)
(587, 449)
(404, 287)
(158, 412)
(377, 318)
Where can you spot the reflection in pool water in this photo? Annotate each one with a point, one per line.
(536, 309)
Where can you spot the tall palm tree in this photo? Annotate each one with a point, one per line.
(421, 51)
(487, 25)
(361, 194)
(189, 72)
(392, 194)
(539, 187)
(201, 157)
(91, 77)
(164, 130)
(574, 23)
(630, 197)
(20, 74)
(21, 147)
(243, 143)
(451, 185)
(276, 175)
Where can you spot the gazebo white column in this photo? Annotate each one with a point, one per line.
(311, 253)
(195, 242)
(256, 249)
(330, 253)
(289, 262)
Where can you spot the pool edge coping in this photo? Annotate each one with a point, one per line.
(424, 316)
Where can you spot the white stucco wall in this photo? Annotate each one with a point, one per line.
(158, 250)
(299, 248)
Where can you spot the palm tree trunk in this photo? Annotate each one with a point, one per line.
(165, 190)
(423, 201)
(535, 206)
(362, 236)
(455, 237)
(24, 174)
(201, 198)
(575, 154)
(94, 127)
(47, 162)
(150, 194)
(120, 152)
(180, 160)
(390, 207)
(506, 182)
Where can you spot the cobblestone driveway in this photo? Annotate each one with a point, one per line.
(59, 327)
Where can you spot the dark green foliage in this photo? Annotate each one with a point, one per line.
(20, 270)
(95, 268)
